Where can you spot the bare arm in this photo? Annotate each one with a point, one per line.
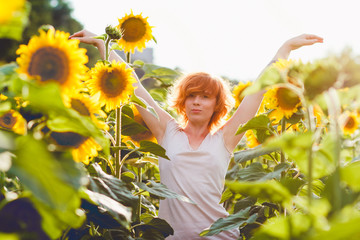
(156, 126)
(250, 104)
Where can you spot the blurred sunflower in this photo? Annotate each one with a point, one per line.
(111, 84)
(136, 32)
(238, 91)
(282, 64)
(86, 106)
(145, 135)
(83, 148)
(9, 9)
(251, 140)
(53, 57)
(283, 101)
(349, 122)
(13, 121)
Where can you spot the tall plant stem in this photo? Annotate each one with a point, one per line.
(309, 113)
(118, 142)
(139, 200)
(282, 155)
(107, 52)
(334, 111)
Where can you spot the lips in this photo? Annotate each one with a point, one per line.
(195, 110)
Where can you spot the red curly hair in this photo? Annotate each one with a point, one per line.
(202, 82)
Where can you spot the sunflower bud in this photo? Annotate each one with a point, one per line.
(46, 27)
(113, 32)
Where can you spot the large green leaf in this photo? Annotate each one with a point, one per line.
(258, 122)
(160, 190)
(142, 103)
(155, 225)
(269, 190)
(269, 77)
(165, 75)
(350, 175)
(54, 184)
(120, 212)
(154, 148)
(249, 154)
(256, 172)
(230, 222)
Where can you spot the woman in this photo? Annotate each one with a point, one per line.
(200, 145)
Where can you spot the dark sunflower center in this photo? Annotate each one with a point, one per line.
(68, 139)
(7, 120)
(287, 99)
(80, 107)
(350, 123)
(112, 84)
(134, 29)
(50, 64)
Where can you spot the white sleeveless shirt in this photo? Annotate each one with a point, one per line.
(198, 174)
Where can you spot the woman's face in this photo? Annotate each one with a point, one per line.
(199, 107)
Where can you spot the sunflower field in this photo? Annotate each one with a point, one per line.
(78, 162)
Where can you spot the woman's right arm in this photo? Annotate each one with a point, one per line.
(156, 125)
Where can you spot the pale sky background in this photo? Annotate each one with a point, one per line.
(232, 38)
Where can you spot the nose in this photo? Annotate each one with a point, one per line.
(196, 100)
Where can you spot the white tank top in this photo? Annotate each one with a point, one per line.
(198, 174)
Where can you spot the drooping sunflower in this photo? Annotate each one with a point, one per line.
(51, 56)
(283, 101)
(238, 91)
(110, 85)
(136, 32)
(86, 106)
(83, 148)
(13, 121)
(349, 122)
(282, 64)
(9, 9)
(145, 135)
(251, 140)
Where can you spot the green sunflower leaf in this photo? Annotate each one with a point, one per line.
(258, 122)
(154, 148)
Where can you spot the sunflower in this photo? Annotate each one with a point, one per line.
(83, 148)
(282, 64)
(136, 32)
(13, 121)
(111, 84)
(251, 140)
(283, 101)
(86, 106)
(238, 91)
(53, 57)
(9, 9)
(350, 122)
(145, 135)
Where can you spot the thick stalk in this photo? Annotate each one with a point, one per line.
(118, 142)
(139, 201)
(309, 113)
(334, 111)
(282, 155)
(107, 43)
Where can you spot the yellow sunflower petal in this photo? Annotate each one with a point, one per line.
(53, 57)
(136, 32)
(86, 151)
(111, 85)
(251, 140)
(350, 122)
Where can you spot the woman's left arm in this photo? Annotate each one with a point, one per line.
(250, 104)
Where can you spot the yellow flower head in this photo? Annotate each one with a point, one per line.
(146, 135)
(9, 9)
(251, 140)
(350, 122)
(283, 101)
(83, 148)
(282, 64)
(13, 121)
(86, 106)
(238, 91)
(111, 84)
(53, 57)
(136, 32)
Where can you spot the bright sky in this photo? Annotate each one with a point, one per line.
(232, 38)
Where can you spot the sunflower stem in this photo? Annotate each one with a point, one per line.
(282, 155)
(139, 201)
(107, 43)
(118, 142)
(128, 57)
(309, 111)
(334, 111)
